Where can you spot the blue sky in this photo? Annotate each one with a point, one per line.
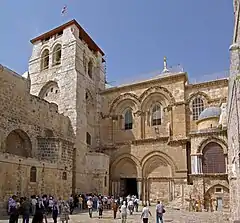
(134, 34)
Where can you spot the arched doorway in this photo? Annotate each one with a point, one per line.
(124, 177)
(157, 174)
(216, 198)
(213, 159)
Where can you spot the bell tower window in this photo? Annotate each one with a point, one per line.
(45, 60)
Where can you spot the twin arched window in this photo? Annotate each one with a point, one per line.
(156, 114)
(56, 57)
(197, 107)
(128, 119)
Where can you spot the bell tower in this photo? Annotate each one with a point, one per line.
(67, 68)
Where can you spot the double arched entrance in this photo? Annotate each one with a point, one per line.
(150, 179)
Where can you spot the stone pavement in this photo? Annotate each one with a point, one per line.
(173, 216)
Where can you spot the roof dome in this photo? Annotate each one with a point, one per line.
(210, 112)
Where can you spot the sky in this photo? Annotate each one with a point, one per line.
(134, 34)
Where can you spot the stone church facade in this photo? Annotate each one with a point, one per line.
(63, 131)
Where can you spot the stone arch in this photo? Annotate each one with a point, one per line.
(130, 161)
(50, 92)
(216, 140)
(211, 194)
(164, 92)
(18, 143)
(196, 94)
(153, 157)
(122, 98)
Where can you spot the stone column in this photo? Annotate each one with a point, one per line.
(194, 166)
(139, 188)
(199, 164)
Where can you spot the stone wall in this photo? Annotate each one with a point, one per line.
(97, 166)
(32, 134)
(233, 120)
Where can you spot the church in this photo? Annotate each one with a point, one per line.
(64, 130)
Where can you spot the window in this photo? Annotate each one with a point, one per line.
(33, 174)
(51, 89)
(45, 60)
(128, 120)
(197, 107)
(156, 115)
(88, 138)
(90, 68)
(64, 175)
(105, 181)
(57, 54)
(218, 190)
(213, 159)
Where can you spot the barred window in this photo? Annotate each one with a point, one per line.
(213, 159)
(156, 115)
(33, 174)
(90, 68)
(128, 119)
(197, 108)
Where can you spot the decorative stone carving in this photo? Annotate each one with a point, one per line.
(223, 116)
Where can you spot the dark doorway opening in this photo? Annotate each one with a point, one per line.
(130, 186)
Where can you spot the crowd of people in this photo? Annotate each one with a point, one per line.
(42, 207)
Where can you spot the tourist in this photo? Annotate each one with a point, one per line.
(71, 204)
(55, 211)
(90, 206)
(12, 209)
(34, 203)
(100, 209)
(26, 210)
(115, 209)
(159, 212)
(39, 214)
(145, 214)
(130, 206)
(136, 203)
(123, 211)
(65, 210)
(80, 202)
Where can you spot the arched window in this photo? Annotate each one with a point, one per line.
(213, 160)
(57, 54)
(45, 59)
(128, 119)
(90, 68)
(33, 174)
(197, 108)
(88, 138)
(156, 115)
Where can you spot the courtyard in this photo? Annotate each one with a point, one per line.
(176, 216)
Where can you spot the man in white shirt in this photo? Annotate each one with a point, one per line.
(145, 214)
(90, 206)
(123, 211)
